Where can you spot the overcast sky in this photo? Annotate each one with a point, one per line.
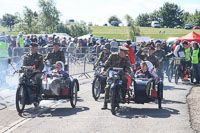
(97, 11)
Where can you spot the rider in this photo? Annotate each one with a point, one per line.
(180, 52)
(36, 60)
(131, 53)
(104, 54)
(118, 60)
(56, 54)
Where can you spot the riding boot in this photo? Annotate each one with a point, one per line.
(123, 100)
(104, 106)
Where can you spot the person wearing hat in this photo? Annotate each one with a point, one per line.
(36, 60)
(195, 54)
(104, 54)
(114, 47)
(56, 54)
(120, 60)
(148, 57)
(160, 54)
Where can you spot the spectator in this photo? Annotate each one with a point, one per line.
(41, 41)
(46, 39)
(64, 42)
(27, 42)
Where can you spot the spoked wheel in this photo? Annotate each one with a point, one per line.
(20, 99)
(170, 74)
(114, 101)
(160, 94)
(96, 88)
(176, 75)
(74, 94)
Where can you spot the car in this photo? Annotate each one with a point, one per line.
(177, 27)
(114, 23)
(187, 26)
(90, 24)
(105, 25)
(196, 27)
(155, 24)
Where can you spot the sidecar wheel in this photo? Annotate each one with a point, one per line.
(74, 94)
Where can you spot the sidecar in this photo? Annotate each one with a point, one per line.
(56, 88)
(146, 90)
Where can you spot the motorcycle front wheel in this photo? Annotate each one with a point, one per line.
(96, 88)
(20, 99)
(114, 101)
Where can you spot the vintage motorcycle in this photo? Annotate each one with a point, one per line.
(143, 90)
(53, 87)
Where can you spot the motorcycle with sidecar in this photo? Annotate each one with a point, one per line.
(143, 90)
(53, 87)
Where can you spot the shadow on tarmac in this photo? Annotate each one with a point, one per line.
(63, 112)
(164, 101)
(3, 106)
(129, 113)
(166, 87)
(51, 112)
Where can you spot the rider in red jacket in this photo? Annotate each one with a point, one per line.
(131, 53)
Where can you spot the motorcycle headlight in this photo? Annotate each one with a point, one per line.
(109, 81)
(115, 76)
(120, 82)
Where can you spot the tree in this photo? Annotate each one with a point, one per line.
(128, 19)
(78, 30)
(49, 15)
(171, 15)
(155, 16)
(29, 23)
(9, 21)
(133, 29)
(61, 28)
(196, 18)
(143, 20)
(186, 18)
(114, 18)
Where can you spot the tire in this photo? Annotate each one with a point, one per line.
(21, 98)
(170, 73)
(176, 75)
(96, 88)
(74, 94)
(114, 101)
(160, 94)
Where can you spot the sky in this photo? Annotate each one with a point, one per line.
(97, 11)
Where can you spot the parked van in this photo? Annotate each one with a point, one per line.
(155, 24)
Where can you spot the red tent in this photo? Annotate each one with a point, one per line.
(190, 37)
